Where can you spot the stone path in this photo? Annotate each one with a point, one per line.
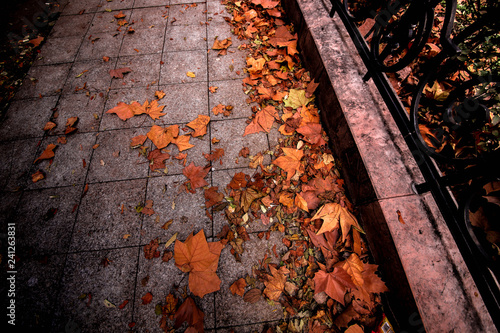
(77, 231)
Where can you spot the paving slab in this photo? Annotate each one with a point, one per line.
(37, 282)
(171, 201)
(27, 118)
(108, 217)
(88, 107)
(113, 159)
(44, 219)
(71, 164)
(44, 81)
(230, 133)
(86, 304)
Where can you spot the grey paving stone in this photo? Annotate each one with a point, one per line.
(186, 37)
(144, 71)
(230, 308)
(107, 22)
(224, 67)
(85, 275)
(18, 157)
(143, 41)
(114, 159)
(185, 14)
(43, 81)
(58, 50)
(216, 12)
(183, 102)
(115, 5)
(149, 3)
(145, 18)
(229, 92)
(87, 107)
(39, 227)
(177, 64)
(172, 201)
(36, 288)
(89, 75)
(81, 6)
(71, 25)
(70, 163)
(100, 44)
(107, 215)
(127, 95)
(230, 132)
(27, 118)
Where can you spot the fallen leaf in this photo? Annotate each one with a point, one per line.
(161, 137)
(244, 152)
(214, 156)
(49, 125)
(36, 42)
(290, 162)
(335, 283)
(138, 141)
(196, 175)
(159, 94)
(39, 175)
(151, 249)
(191, 74)
(148, 208)
(297, 98)
(275, 284)
(157, 159)
(335, 216)
(213, 89)
(118, 73)
(48, 153)
(188, 311)
(252, 296)
(200, 259)
(182, 142)
(199, 125)
(126, 111)
(238, 287)
(212, 196)
(146, 299)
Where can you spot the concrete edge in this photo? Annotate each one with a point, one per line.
(420, 260)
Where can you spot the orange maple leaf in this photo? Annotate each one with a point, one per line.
(48, 153)
(157, 159)
(196, 175)
(238, 287)
(200, 259)
(313, 133)
(275, 284)
(335, 216)
(182, 142)
(214, 156)
(290, 162)
(126, 111)
(263, 121)
(161, 137)
(153, 109)
(199, 125)
(334, 284)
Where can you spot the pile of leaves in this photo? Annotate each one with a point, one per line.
(324, 280)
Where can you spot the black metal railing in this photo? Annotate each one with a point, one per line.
(451, 126)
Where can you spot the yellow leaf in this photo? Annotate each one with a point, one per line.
(191, 74)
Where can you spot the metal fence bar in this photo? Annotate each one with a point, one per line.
(435, 182)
